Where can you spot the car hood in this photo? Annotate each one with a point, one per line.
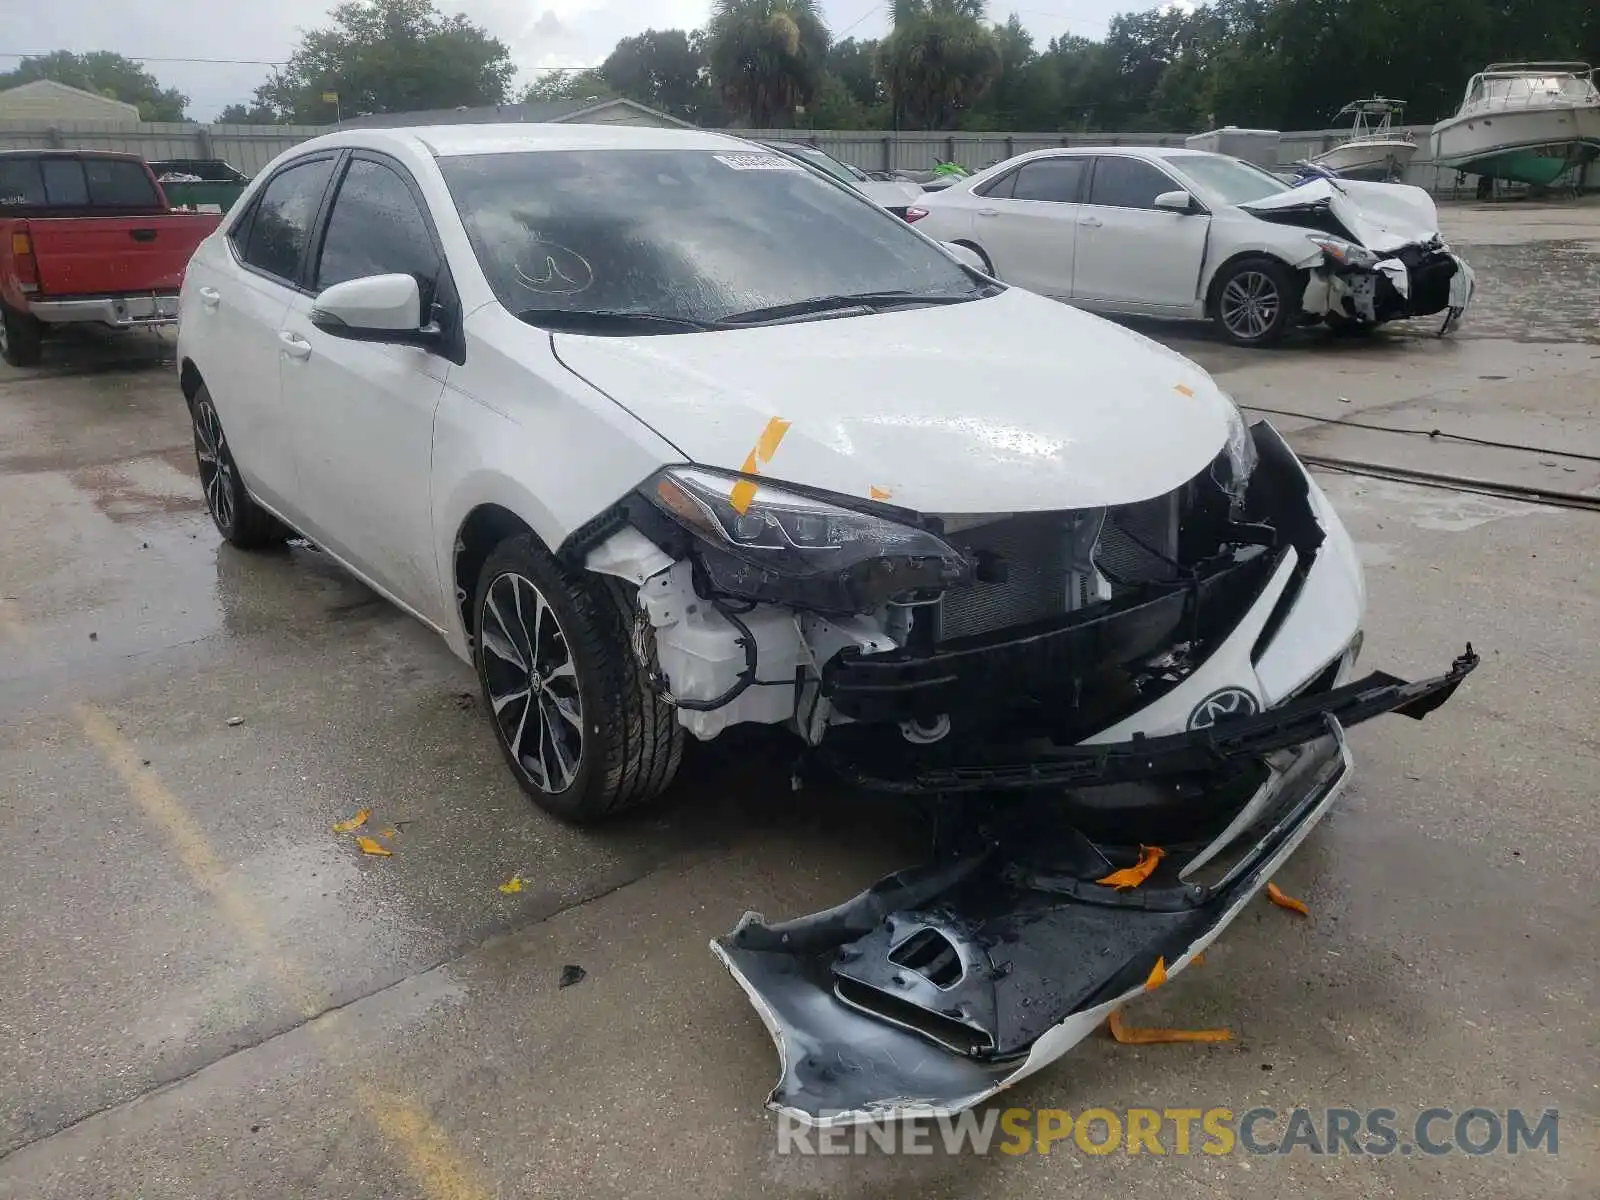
(1381, 216)
(1007, 404)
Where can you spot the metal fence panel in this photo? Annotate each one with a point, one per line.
(251, 147)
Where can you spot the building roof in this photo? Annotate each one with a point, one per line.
(43, 91)
(538, 112)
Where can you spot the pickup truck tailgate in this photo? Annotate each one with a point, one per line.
(103, 256)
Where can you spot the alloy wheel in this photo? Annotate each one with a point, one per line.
(532, 682)
(1249, 305)
(215, 463)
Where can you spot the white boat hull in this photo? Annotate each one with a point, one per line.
(1380, 158)
(1529, 144)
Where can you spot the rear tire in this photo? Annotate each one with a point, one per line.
(579, 724)
(238, 518)
(21, 337)
(1255, 301)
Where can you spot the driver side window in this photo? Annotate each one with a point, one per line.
(376, 228)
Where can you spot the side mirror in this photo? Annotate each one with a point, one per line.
(1176, 201)
(375, 308)
(967, 255)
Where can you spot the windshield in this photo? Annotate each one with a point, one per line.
(1224, 180)
(693, 235)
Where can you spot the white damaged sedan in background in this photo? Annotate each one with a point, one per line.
(1158, 232)
(664, 436)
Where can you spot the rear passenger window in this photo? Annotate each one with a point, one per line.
(280, 227)
(1055, 179)
(118, 183)
(998, 189)
(1128, 183)
(376, 228)
(64, 185)
(21, 185)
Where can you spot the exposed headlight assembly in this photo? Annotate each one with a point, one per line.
(1233, 467)
(764, 542)
(1342, 253)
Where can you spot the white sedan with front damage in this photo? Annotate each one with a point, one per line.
(1156, 232)
(664, 435)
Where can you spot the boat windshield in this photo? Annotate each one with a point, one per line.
(1522, 90)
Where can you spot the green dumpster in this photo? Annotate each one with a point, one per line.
(205, 185)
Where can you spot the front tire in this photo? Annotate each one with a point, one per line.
(21, 337)
(238, 518)
(1255, 301)
(577, 719)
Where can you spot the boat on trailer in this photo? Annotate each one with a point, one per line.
(1530, 123)
(1374, 150)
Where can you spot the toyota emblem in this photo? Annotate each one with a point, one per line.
(1221, 706)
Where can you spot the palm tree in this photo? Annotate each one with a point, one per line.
(767, 56)
(939, 60)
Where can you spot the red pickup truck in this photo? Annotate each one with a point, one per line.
(87, 236)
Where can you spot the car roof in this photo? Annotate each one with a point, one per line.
(1172, 152)
(50, 152)
(450, 141)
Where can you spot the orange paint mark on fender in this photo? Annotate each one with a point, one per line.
(744, 492)
(1183, 389)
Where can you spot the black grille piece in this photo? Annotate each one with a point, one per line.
(1138, 543)
(1034, 548)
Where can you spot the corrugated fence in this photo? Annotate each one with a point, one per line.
(251, 147)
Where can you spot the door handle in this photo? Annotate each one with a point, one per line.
(210, 297)
(1091, 222)
(294, 345)
(988, 212)
(142, 235)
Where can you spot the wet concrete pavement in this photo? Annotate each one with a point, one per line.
(207, 992)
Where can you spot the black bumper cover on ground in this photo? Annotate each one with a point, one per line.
(941, 984)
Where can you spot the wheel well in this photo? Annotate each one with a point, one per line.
(485, 528)
(1221, 273)
(189, 380)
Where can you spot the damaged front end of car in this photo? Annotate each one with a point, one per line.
(1359, 270)
(1070, 689)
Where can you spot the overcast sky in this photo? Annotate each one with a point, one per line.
(541, 33)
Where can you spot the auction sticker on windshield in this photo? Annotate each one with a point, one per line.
(758, 162)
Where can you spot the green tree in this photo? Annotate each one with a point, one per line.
(577, 86)
(105, 74)
(389, 56)
(241, 114)
(666, 69)
(854, 64)
(1025, 94)
(766, 57)
(938, 61)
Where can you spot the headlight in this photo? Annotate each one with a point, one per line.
(1345, 254)
(762, 542)
(1237, 462)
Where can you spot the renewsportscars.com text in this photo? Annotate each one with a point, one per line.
(1378, 1132)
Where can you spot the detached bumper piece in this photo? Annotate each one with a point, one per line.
(1202, 750)
(942, 984)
